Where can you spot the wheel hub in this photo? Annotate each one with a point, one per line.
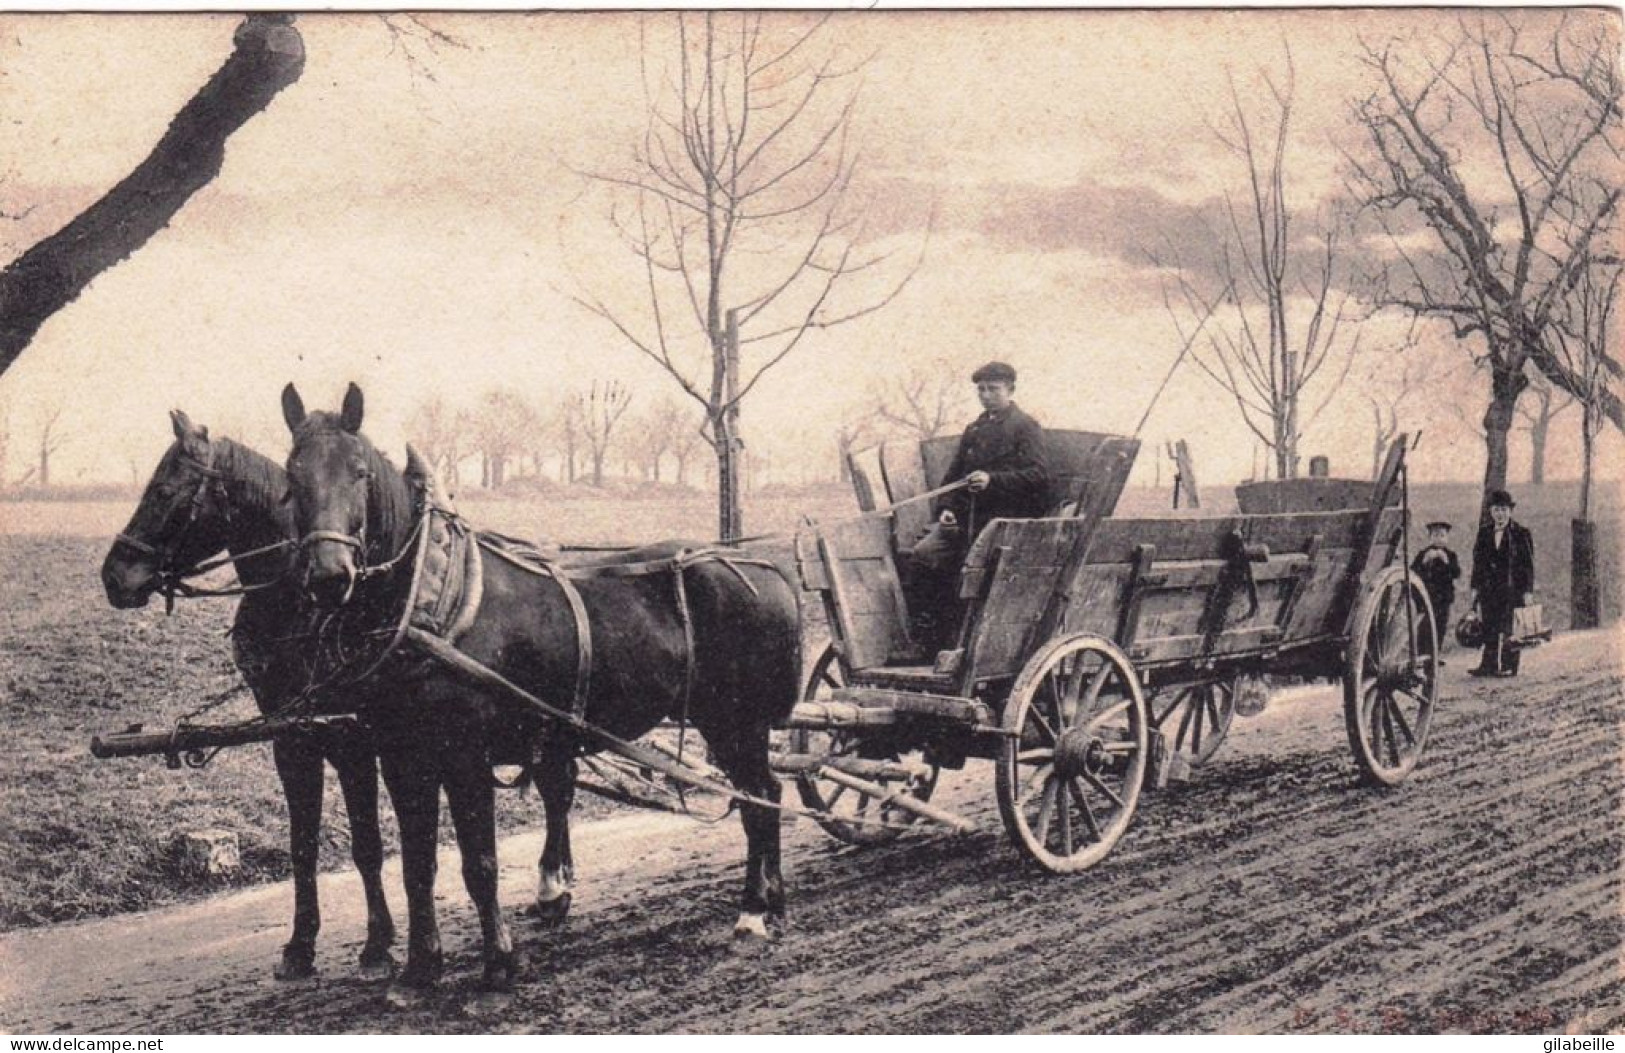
(1079, 753)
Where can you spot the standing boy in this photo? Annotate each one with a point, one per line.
(1439, 569)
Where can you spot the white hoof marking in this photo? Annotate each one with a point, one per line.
(553, 886)
(751, 925)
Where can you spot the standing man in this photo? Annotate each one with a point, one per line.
(1001, 457)
(1439, 569)
(1503, 580)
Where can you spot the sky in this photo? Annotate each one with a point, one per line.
(413, 217)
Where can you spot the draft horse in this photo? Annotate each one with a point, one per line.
(208, 496)
(713, 641)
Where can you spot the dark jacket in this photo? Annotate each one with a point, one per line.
(1009, 446)
(1502, 575)
(1438, 575)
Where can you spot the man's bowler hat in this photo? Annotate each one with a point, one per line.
(1501, 499)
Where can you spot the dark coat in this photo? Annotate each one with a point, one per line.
(1502, 575)
(1009, 446)
(1438, 575)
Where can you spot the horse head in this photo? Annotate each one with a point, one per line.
(349, 504)
(182, 519)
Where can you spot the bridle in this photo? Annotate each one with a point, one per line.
(358, 543)
(172, 579)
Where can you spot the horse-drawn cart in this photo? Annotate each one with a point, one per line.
(1092, 650)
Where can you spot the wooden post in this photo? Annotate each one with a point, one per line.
(1185, 480)
(730, 513)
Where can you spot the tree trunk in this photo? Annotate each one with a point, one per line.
(269, 56)
(597, 467)
(725, 426)
(44, 466)
(1505, 387)
(1537, 448)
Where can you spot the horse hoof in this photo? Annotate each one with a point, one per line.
(750, 935)
(405, 996)
(377, 966)
(551, 913)
(487, 1003)
(295, 965)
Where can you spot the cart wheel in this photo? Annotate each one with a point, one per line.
(1391, 683)
(1074, 756)
(1204, 713)
(851, 808)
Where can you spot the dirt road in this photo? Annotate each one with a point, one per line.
(1270, 893)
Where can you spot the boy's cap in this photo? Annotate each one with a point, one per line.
(1439, 524)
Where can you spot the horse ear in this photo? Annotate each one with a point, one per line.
(415, 465)
(350, 415)
(293, 407)
(181, 423)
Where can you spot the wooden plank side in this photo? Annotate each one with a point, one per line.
(868, 479)
(1176, 539)
(1034, 552)
(905, 478)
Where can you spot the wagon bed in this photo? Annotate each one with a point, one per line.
(1159, 617)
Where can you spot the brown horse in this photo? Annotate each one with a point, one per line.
(211, 496)
(714, 641)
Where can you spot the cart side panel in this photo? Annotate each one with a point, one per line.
(905, 478)
(868, 481)
(1174, 590)
(1030, 558)
(851, 563)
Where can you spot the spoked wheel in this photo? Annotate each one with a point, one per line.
(856, 817)
(1074, 757)
(1391, 681)
(1200, 716)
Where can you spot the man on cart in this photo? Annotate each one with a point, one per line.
(1002, 459)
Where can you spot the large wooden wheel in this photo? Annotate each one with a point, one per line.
(854, 816)
(1199, 717)
(1074, 756)
(1391, 679)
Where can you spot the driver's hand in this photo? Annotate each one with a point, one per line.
(978, 481)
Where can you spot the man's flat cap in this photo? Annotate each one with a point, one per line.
(995, 371)
(1439, 524)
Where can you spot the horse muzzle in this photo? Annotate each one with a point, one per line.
(330, 573)
(128, 584)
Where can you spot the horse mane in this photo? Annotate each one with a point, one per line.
(389, 511)
(260, 480)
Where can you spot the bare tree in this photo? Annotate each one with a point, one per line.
(438, 435)
(268, 55)
(747, 153)
(51, 440)
(855, 432)
(1505, 153)
(1542, 403)
(1285, 298)
(924, 401)
(1395, 383)
(598, 411)
(651, 435)
(504, 427)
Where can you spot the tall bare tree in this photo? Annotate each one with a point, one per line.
(923, 401)
(504, 428)
(1285, 299)
(1395, 383)
(51, 440)
(1541, 404)
(268, 55)
(747, 153)
(1501, 144)
(438, 435)
(598, 411)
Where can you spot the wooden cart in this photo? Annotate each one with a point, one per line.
(1093, 650)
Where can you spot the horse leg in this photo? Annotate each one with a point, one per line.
(473, 814)
(555, 774)
(414, 789)
(357, 768)
(742, 754)
(299, 766)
